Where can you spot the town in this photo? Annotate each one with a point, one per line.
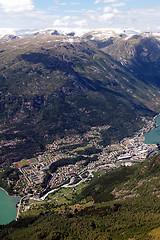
(76, 158)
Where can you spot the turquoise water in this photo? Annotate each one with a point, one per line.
(8, 209)
(153, 136)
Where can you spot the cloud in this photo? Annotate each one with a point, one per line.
(106, 16)
(81, 23)
(73, 11)
(75, 3)
(58, 2)
(147, 18)
(22, 14)
(70, 21)
(107, 9)
(16, 5)
(97, 1)
(108, 13)
(116, 11)
(121, 4)
(62, 22)
(105, 1)
(144, 19)
(35, 19)
(109, 1)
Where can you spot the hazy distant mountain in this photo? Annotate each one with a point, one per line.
(101, 33)
(31, 32)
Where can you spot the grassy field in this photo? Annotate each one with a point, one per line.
(33, 160)
(82, 148)
(23, 163)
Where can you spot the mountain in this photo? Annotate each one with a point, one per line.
(120, 205)
(140, 53)
(56, 85)
(30, 32)
(53, 85)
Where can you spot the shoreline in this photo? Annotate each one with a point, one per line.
(18, 203)
(154, 125)
(8, 193)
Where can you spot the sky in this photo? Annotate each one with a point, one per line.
(141, 15)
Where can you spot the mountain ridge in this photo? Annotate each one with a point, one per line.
(50, 81)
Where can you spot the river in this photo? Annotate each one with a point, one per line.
(8, 208)
(153, 136)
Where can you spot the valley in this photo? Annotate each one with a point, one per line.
(74, 111)
(70, 162)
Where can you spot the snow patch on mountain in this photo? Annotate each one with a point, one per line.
(92, 34)
(7, 31)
